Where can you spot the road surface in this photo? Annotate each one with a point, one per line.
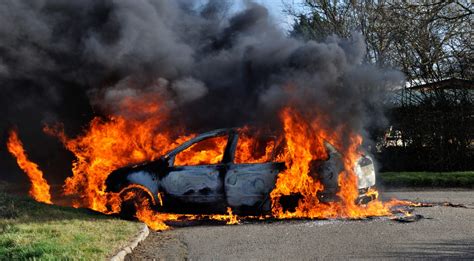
(445, 232)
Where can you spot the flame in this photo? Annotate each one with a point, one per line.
(153, 219)
(299, 152)
(117, 141)
(305, 144)
(209, 151)
(144, 133)
(39, 186)
(373, 193)
(114, 142)
(249, 146)
(397, 202)
(230, 218)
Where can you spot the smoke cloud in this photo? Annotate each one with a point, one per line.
(68, 61)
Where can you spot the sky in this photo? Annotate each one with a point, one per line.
(277, 10)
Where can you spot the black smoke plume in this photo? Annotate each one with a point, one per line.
(68, 61)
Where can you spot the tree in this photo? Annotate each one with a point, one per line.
(427, 41)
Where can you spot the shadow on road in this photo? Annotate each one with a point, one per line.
(454, 249)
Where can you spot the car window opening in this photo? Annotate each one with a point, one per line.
(205, 152)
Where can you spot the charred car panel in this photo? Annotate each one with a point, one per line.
(248, 186)
(196, 184)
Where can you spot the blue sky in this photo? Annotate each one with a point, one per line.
(276, 9)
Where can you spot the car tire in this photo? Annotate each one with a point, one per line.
(132, 198)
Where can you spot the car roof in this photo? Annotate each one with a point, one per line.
(202, 136)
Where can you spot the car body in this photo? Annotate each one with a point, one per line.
(212, 188)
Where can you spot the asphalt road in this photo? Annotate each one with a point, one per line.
(445, 232)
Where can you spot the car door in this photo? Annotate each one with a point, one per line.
(248, 185)
(195, 178)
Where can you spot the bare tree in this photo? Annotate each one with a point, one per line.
(427, 41)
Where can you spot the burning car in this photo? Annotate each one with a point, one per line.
(173, 185)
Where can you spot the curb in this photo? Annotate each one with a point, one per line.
(142, 235)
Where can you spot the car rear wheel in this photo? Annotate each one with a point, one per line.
(132, 199)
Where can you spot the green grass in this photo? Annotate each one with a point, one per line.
(31, 230)
(463, 179)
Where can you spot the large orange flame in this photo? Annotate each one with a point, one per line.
(251, 149)
(39, 186)
(115, 142)
(209, 151)
(305, 143)
(144, 133)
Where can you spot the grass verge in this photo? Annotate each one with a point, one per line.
(32, 230)
(463, 179)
